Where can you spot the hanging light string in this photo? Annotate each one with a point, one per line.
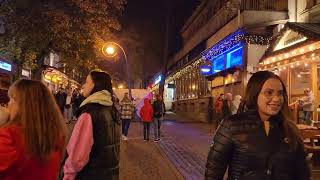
(296, 57)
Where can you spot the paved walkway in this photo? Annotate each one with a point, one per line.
(144, 160)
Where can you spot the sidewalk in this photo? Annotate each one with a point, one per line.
(144, 160)
(141, 160)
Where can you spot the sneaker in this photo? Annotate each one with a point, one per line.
(145, 140)
(156, 140)
(125, 138)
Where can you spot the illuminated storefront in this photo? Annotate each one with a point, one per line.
(295, 57)
(232, 60)
(55, 79)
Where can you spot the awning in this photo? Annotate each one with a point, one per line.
(307, 32)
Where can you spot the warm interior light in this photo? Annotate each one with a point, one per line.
(301, 50)
(305, 64)
(311, 47)
(292, 66)
(299, 76)
(286, 55)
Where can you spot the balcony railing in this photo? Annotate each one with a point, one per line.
(264, 5)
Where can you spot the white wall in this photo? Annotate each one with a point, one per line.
(292, 10)
(255, 52)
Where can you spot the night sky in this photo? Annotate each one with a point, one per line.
(147, 19)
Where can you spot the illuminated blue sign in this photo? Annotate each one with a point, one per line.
(205, 70)
(234, 58)
(218, 64)
(157, 80)
(5, 66)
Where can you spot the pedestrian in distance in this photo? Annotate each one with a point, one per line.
(76, 101)
(127, 109)
(68, 107)
(235, 104)
(93, 149)
(227, 106)
(146, 114)
(4, 87)
(61, 99)
(261, 143)
(33, 139)
(158, 114)
(4, 99)
(218, 104)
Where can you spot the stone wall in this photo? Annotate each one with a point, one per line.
(192, 110)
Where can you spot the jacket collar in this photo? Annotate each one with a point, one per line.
(101, 97)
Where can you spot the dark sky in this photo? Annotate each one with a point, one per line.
(147, 19)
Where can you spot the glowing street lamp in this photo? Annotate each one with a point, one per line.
(109, 51)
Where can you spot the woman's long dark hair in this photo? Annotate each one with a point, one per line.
(102, 81)
(253, 90)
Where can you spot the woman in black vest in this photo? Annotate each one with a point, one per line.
(93, 149)
(262, 143)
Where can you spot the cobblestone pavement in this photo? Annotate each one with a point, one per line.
(187, 146)
(144, 160)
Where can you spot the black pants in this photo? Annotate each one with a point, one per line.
(125, 126)
(146, 130)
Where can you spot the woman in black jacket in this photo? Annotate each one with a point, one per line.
(262, 143)
(93, 151)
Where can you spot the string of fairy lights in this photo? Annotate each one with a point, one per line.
(298, 57)
(229, 43)
(220, 48)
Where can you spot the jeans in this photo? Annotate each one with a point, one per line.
(125, 126)
(146, 130)
(307, 117)
(68, 113)
(156, 127)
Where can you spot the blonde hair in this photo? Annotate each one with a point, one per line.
(38, 114)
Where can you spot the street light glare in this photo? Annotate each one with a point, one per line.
(110, 50)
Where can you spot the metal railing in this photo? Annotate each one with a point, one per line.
(264, 5)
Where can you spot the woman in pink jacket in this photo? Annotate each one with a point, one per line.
(146, 114)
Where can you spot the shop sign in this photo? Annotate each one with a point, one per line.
(288, 39)
(5, 66)
(171, 86)
(205, 70)
(26, 73)
(157, 81)
(232, 58)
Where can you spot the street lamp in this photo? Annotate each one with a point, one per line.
(109, 50)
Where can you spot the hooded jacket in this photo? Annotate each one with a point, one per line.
(94, 146)
(146, 111)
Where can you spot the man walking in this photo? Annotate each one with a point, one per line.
(158, 113)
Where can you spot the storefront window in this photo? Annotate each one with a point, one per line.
(283, 74)
(300, 79)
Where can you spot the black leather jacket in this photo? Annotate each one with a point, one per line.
(105, 153)
(241, 145)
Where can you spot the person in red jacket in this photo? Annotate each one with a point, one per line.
(32, 140)
(146, 114)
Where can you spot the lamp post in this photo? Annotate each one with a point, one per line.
(110, 50)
